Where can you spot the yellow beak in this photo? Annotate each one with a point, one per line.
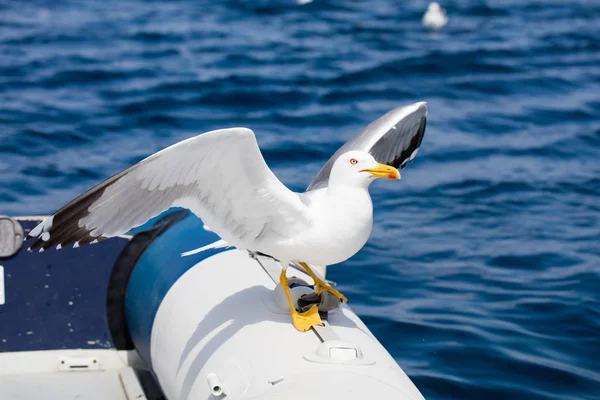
(384, 171)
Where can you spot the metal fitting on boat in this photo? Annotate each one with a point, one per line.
(216, 387)
(11, 236)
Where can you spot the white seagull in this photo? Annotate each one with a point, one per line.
(223, 179)
(435, 18)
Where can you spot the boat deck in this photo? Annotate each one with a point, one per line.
(55, 341)
(72, 374)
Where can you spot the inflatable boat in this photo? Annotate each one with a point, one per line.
(129, 318)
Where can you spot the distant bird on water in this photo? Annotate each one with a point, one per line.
(223, 179)
(435, 18)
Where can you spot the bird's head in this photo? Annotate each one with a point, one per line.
(359, 168)
(434, 6)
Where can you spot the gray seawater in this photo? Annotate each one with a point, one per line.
(482, 275)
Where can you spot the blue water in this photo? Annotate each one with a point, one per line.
(482, 276)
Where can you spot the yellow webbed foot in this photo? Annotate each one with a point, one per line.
(321, 286)
(304, 321)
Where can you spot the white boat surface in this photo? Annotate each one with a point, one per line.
(210, 326)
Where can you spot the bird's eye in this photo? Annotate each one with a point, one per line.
(353, 161)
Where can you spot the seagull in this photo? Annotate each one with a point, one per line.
(222, 177)
(435, 18)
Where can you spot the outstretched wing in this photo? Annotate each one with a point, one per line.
(220, 176)
(392, 139)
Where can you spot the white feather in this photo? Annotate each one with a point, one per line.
(220, 176)
(219, 244)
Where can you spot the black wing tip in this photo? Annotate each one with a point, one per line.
(77, 241)
(419, 136)
(62, 229)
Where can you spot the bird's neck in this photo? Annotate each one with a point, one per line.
(349, 194)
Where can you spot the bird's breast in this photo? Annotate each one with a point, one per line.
(343, 226)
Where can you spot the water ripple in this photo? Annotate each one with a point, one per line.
(481, 277)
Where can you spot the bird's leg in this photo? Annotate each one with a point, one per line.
(302, 321)
(322, 286)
